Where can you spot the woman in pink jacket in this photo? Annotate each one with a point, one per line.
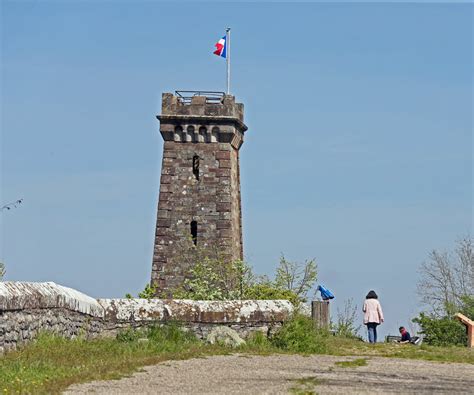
(373, 315)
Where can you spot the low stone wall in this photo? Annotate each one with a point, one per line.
(244, 316)
(29, 308)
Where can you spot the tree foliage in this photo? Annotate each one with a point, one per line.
(213, 279)
(446, 278)
(296, 277)
(446, 287)
(212, 275)
(441, 331)
(148, 293)
(2, 271)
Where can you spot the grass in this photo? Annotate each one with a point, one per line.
(349, 347)
(50, 364)
(305, 386)
(352, 364)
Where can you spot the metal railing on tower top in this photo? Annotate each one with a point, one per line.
(185, 97)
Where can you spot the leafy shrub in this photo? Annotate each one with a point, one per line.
(467, 306)
(268, 291)
(213, 279)
(299, 334)
(446, 331)
(212, 276)
(441, 331)
(296, 277)
(148, 293)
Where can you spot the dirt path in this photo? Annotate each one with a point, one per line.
(278, 374)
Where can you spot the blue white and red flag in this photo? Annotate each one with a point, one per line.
(221, 47)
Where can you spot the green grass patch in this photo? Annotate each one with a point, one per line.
(305, 386)
(50, 364)
(352, 364)
(349, 347)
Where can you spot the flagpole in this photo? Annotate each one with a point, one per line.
(227, 33)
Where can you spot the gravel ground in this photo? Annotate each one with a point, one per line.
(278, 374)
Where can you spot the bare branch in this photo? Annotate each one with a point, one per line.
(445, 280)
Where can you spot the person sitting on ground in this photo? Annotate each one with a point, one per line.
(406, 338)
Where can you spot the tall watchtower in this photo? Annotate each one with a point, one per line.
(199, 201)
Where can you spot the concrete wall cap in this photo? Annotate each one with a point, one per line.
(238, 311)
(18, 295)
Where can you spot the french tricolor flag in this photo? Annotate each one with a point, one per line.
(221, 47)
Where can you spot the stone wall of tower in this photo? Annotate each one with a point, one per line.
(209, 196)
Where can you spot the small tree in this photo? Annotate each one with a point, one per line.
(296, 277)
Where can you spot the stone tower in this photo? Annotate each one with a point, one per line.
(199, 200)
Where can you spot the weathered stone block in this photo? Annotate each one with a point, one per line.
(224, 164)
(223, 206)
(163, 223)
(223, 224)
(223, 155)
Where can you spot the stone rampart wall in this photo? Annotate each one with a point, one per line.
(27, 309)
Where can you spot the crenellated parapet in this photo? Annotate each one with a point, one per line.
(201, 120)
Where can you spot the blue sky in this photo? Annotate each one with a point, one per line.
(359, 149)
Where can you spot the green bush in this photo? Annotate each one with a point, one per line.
(467, 307)
(148, 293)
(299, 334)
(268, 291)
(444, 331)
(211, 276)
(212, 279)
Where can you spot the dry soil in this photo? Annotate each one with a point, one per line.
(283, 374)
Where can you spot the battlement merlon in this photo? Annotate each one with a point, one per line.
(202, 118)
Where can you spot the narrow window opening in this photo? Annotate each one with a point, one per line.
(196, 166)
(194, 231)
